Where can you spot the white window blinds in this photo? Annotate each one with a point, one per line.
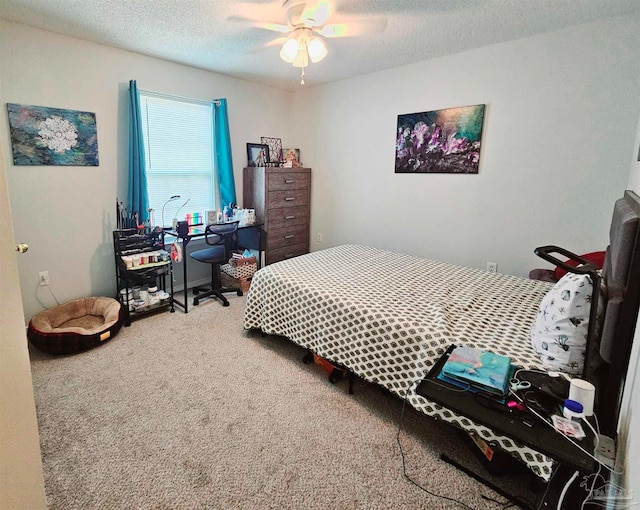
(178, 140)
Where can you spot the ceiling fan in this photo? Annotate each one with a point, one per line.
(306, 28)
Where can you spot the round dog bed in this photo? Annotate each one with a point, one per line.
(76, 325)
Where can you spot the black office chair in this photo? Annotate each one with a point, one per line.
(222, 239)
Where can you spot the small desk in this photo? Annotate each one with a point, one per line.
(249, 236)
(540, 437)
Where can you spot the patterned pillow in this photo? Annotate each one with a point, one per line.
(559, 335)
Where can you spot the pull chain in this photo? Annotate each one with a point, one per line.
(302, 77)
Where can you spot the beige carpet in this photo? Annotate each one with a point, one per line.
(190, 411)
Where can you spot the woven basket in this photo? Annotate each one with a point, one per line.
(240, 269)
(243, 283)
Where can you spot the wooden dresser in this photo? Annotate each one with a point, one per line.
(281, 198)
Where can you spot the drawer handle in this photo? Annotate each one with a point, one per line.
(289, 217)
(289, 199)
(290, 236)
(289, 181)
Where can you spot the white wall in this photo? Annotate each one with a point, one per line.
(562, 111)
(66, 214)
(560, 120)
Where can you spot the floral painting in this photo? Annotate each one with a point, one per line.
(441, 141)
(51, 136)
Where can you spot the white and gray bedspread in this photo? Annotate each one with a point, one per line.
(389, 317)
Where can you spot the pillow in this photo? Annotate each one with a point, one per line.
(597, 257)
(559, 334)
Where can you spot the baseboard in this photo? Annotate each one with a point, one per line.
(202, 282)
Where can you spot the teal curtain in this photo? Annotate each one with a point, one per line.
(224, 163)
(138, 195)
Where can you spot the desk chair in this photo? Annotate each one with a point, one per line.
(221, 238)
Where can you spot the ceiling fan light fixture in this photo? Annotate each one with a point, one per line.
(290, 50)
(317, 49)
(302, 58)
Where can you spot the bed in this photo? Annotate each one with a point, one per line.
(388, 317)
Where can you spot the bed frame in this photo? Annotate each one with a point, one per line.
(609, 349)
(610, 336)
(609, 345)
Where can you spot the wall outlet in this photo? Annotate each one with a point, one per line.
(492, 267)
(319, 237)
(43, 278)
(606, 447)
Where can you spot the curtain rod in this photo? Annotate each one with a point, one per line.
(181, 98)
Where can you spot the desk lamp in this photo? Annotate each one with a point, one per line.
(174, 197)
(175, 216)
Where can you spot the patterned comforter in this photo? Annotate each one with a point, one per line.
(389, 317)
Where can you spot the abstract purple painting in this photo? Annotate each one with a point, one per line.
(440, 141)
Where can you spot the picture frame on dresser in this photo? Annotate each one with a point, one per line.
(291, 158)
(257, 154)
(275, 148)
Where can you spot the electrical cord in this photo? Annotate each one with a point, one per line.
(596, 434)
(546, 491)
(593, 483)
(404, 464)
(565, 489)
(540, 417)
(54, 296)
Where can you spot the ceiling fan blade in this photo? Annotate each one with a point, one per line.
(355, 28)
(275, 27)
(317, 15)
(278, 41)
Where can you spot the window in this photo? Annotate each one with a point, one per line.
(178, 141)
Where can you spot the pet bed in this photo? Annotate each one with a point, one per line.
(75, 326)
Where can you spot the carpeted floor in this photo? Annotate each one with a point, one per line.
(189, 411)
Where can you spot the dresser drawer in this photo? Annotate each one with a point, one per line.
(288, 236)
(287, 181)
(287, 217)
(286, 253)
(293, 198)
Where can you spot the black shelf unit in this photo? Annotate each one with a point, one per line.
(133, 242)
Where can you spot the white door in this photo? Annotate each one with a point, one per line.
(21, 482)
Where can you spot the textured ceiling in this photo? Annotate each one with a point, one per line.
(202, 33)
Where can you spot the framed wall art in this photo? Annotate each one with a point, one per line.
(275, 148)
(52, 136)
(257, 154)
(440, 141)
